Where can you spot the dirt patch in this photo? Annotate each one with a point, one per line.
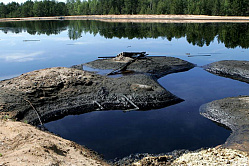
(22, 144)
(141, 18)
(211, 156)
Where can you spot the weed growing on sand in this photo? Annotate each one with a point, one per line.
(5, 117)
(1, 155)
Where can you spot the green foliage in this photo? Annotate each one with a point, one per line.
(85, 7)
(5, 117)
(1, 155)
(31, 9)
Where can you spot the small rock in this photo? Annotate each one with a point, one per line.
(141, 87)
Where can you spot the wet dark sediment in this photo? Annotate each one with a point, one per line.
(232, 112)
(57, 92)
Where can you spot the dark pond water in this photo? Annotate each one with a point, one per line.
(27, 46)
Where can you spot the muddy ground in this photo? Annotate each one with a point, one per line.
(56, 92)
(238, 70)
(155, 66)
(234, 113)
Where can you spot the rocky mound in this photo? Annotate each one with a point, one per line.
(41, 90)
(238, 70)
(156, 66)
(234, 113)
(53, 93)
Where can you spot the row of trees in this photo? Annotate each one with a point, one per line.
(85, 7)
(31, 9)
(207, 7)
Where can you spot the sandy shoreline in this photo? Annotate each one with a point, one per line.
(22, 144)
(140, 18)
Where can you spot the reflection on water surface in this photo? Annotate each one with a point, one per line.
(27, 46)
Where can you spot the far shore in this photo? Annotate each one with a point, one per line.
(141, 18)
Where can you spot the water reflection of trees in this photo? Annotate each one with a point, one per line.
(231, 34)
(34, 27)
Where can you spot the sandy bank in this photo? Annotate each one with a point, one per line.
(22, 144)
(209, 157)
(141, 18)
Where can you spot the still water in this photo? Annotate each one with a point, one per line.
(27, 46)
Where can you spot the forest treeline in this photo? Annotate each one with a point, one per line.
(89, 7)
(232, 35)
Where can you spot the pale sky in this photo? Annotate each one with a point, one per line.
(22, 1)
(7, 1)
